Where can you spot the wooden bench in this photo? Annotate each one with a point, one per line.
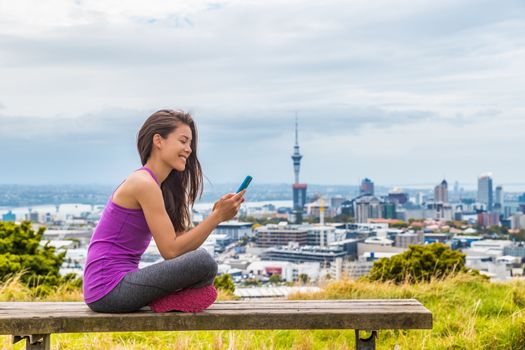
(36, 321)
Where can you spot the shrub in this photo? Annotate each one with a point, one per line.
(21, 253)
(418, 264)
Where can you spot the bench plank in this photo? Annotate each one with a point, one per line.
(72, 317)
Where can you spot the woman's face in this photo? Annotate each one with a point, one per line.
(176, 147)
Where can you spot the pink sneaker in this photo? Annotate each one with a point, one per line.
(186, 300)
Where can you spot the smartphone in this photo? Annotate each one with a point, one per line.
(245, 183)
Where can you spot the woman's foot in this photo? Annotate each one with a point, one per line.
(186, 300)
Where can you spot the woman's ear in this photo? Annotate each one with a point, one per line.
(157, 140)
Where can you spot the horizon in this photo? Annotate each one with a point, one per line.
(380, 189)
(516, 187)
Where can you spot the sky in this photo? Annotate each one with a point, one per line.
(404, 92)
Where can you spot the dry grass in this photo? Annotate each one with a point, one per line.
(469, 313)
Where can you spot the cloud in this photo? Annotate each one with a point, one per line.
(217, 125)
(368, 80)
(102, 126)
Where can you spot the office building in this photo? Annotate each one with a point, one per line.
(398, 196)
(347, 208)
(281, 235)
(367, 187)
(516, 249)
(33, 216)
(498, 198)
(488, 219)
(335, 204)
(235, 230)
(9, 216)
(406, 239)
(389, 210)
(367, 207)
(293, 253)
(517, 221)
(441, 192)
(320, 235)
(485, 194)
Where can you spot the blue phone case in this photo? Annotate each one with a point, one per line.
(245, 183)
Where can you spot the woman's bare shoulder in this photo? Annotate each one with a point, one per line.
(127, 193)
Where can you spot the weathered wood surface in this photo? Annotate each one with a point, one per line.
(72, 317)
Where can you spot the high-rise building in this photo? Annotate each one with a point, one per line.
(456, 187)
(367, 207)
(389, 210)
(367, 187)
(397, 195)
(488, 219)
(485, 194)
(441, 192)
(335, 204)
(420, 198)
(299, 189)
(498, 197)
(347, 208)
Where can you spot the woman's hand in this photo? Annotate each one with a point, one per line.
(228, 205)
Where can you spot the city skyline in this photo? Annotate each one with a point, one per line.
(425, 92)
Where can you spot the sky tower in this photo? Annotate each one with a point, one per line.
(299, 189)
(296, 156)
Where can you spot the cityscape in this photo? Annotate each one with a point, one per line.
(286, 234)
(387, 203)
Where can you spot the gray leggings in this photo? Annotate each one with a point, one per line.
(137, 289)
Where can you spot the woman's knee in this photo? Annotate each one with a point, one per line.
(206, 263)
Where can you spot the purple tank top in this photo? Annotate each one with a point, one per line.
(120, 238)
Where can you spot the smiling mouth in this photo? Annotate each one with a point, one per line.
(183, 158)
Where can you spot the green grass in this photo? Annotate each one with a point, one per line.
(469, 313)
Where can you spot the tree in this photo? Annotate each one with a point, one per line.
(519, 236)
(303, 277)
(275, 278)
(251, 282)
(344, 218)
(244, 241)
(458, 224)
(399, 224)
(224, 282)
(259, 221)
(419, 263)
(21, 252)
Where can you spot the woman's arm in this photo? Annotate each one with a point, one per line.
(170, 243)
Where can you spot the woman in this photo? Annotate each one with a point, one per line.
(155, 200)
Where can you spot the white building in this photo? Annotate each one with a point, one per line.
(380, 241)
(408, 238)
(487, 257)
(499, 269)
(363, 248)
(288, 271)
(321, 235)
(357, 269)
(314, 209)
(234, 229)
(490, 246)
(517, 221)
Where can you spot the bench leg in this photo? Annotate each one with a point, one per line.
(35, 341)
(365, 344)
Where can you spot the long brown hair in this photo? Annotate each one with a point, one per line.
(179, 189)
